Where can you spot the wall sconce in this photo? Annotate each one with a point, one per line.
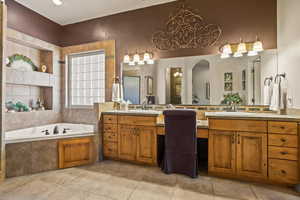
(136, 60)
(238, 50)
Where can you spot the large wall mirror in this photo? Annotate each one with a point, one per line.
(206, 80)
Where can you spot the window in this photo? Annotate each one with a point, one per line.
(86, 78)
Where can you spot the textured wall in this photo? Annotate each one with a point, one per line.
(133, 30)
(27, 21)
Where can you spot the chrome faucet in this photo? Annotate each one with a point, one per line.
(55, 130)
(144, 104)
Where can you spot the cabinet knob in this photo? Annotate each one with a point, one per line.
(283, 140)
(282, 127)
(283, 171)
(284, 153)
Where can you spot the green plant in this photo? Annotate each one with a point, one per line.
(17, 57)
(232, 99)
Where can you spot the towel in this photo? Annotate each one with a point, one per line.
(275, 97)
(116, 92)
(267, 94)
(279, 96)
(283, 93)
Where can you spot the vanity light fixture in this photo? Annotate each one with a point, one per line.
(147, 56)
(224, 55)
(227, 49)
(131, 63)
(150, 62)
(252, 53)
(239, 49)
(237, 55)
(242, 47)
(57, 2)
(141, 62)
(136, 58)
(258, 46)
(126, 59)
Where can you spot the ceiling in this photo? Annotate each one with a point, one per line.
(72, 11)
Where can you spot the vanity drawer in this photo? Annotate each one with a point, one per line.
(110, 136)
(110, 119)
(283, 140)
(110, 128)
(110, 149)
(283, 127)
(283, 153)
(238, 125)
(283, 171)
(137, 120)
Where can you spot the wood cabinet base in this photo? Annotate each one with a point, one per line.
(75, 152)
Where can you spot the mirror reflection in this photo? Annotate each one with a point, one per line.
(201, 80)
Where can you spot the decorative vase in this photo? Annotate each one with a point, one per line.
(43, 68)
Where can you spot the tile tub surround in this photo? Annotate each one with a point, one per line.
(15, 121)
(22, 93)
(111, 180)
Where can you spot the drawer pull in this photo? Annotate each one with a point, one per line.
(284, 153)
(283, 140)
(283, 171)
(282, 127)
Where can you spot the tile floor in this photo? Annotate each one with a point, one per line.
(111, 180)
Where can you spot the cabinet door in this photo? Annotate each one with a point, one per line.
(252, 151)
(222, 152)
(127, 142)
(146, 143)
(75, 152)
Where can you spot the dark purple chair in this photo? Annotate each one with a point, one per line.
(180, 152)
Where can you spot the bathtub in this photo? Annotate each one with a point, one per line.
(38, 133)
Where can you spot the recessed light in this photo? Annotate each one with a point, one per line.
(57, 2)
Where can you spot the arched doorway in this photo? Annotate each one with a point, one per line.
(201, 83)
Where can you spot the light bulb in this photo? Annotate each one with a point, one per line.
(147, 56)
(141, 62)
(227, 49)
(237, 55)
(57, 2)
(242, 47)
(136, 58)
(224, 55)
(150, 62)
(131, 63)
(258, 46)
(252, 53)
(126, 59)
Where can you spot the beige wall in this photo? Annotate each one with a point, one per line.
(289, 47)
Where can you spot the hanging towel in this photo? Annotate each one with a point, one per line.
(116, 92)
(283, 93)
(275, 97)
(268, 89)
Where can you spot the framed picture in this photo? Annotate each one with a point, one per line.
(228, 87)
(149, 83)
(228, 77)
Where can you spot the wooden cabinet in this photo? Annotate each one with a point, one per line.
(146, 144)
(127, 142)
(130, 138)
(241, 154)
(222, 152)
(252, 154)
(75, 152)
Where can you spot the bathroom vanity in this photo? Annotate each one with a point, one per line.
(248, 146)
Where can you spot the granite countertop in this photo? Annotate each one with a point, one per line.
(200, 124)
(134, 112)
(258, 116)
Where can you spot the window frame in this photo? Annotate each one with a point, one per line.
(69, 74)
